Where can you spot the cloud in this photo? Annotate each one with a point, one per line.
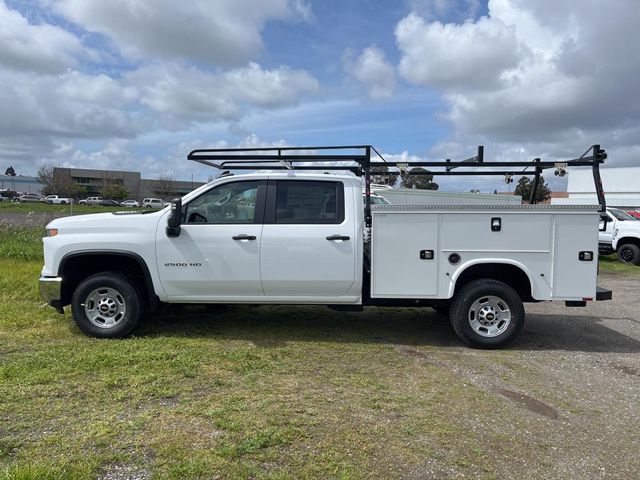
(472, 55)
(35, 48)
(186, 94)
(557, 75)
(372, 70)
(224, 32)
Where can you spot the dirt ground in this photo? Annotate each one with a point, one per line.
(574, 374)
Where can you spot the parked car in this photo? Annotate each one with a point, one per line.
(108, 203)
(130, 204)
(30, 198)
(90, 201)
(57, 200)
(153, 203)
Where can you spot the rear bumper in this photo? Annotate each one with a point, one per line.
(50, 291)
(603, 294)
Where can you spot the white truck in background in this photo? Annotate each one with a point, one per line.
(626, 241)
(57, 200)
(615, 217)
(295, 237)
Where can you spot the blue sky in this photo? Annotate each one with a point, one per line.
(136, 84)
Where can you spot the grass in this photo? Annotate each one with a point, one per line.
(246, 392)
(22, 208)
(609, 264)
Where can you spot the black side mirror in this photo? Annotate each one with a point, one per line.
(604, 218)
(175, 218)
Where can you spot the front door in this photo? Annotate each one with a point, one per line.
(309, 240)
(217, 254)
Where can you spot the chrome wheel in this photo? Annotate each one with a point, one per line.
(489, 316)
(105, 307)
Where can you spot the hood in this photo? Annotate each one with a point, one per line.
(107, 222)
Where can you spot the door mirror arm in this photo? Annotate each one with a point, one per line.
(175, 218)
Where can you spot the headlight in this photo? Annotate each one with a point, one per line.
(52, 232)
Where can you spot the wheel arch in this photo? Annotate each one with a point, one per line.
(76, 266)
(510, 272)
(625, 240)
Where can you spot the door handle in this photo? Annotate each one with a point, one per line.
(244, 236)
(338, 237)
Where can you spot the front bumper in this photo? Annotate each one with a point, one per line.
(50, 291)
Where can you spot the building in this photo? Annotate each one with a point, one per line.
(20, 184)
(139, 188)
(621, 186)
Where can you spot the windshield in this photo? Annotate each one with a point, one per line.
(620, 215)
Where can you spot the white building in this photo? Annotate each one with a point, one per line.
(621, 187)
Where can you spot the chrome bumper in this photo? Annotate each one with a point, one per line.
(50, 291)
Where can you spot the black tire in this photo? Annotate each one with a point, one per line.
(629, 253)
(117, 290)
(500, 300)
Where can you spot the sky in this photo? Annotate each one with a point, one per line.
(136, 84)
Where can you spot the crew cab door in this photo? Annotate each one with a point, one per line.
(309, 239)
(217, 254)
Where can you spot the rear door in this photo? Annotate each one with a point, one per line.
(308, 240)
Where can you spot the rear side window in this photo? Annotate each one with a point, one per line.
(310, 202)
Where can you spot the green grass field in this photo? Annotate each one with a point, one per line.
(246, 392)
(21, 208)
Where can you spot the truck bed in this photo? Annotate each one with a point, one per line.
(419, 251)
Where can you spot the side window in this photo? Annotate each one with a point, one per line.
(229, 203)
(311, 202)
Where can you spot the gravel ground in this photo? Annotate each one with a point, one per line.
(573, 376)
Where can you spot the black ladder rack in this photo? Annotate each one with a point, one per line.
(358, 160)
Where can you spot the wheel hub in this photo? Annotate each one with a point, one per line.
(105, 307)
(489, 316)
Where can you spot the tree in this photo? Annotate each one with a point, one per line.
(115, 192)
(10, 172)
(524, 186)
(57, 182)
(382, 176)
(422, 182)
(164, 186)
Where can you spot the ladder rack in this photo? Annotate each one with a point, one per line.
(358, 160)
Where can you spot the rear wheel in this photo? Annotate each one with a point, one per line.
(629, 253)
(487, 314)
(107, 305)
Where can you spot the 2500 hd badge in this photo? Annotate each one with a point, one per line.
(183, 264)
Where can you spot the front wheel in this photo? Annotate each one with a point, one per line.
(107, 305)
(629, 253)
(487, 314)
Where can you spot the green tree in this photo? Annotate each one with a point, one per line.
(115, 192)
(422, 182)
(382, 176)
(524, 186)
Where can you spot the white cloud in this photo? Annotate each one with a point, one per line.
(221, 32)
(473, 54)
(181, 93)
(559, 76)
(372, 70)
(38, 48)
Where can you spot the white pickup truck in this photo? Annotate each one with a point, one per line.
(615, 217)
(626, 241)
(57, 200)
(298, 238)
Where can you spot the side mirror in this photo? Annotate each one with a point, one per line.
(175, 218)
(604, 218)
